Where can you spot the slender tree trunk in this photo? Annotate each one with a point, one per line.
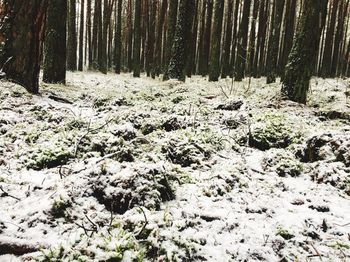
(252, 38)
(225, 71)
(72, 37)
(22, 29)
(88, 33)
(55, 42)
(234, 38)
(118, 38)
(338, 39)
(206, 43)
(158, 45)
(289, 27)
(190, 67)
(329, 42)
(275, 41)
(300, 64)
(130, 34)
(81, 37)
(172, 16)
(179, 52)
(151, 37)
(242, 44)
(215, 44)
(137, 39)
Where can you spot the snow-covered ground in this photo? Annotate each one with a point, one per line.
(112, 168)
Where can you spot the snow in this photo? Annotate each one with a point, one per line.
(230, 201)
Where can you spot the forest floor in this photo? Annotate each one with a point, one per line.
(112, 168)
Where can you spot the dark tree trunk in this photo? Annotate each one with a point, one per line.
(201, 36)
(262, 52)
(88, 31)
(179, 52)
(234, 38)
(275, 41)
(206, 43)
(72, 37)
(118, 38)
(215, 44)
(158, 45)
(190, 67)
(137, 39)
(151, 37)
(225, 71)
(172, 16)
(22, 28)
(81, 37)
(96, 33)
(252, 38)
(55, 42)
(329, 42)
(289, 27)
(300, 64)
(130, 33)
(242, 44)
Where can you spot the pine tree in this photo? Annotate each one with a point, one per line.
(72, 37)
(81, 37)
(118, 38)
(55, 42)
(300, 64)
(22, 29)
(242, 44)
(137, 39)
(225, 67)
(179, 52)
(172, 16)
(214, 71)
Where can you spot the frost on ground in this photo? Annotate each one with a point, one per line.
(111, 168)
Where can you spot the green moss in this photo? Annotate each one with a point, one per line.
(339, 245)
(48, 157)
(273, 130)
(284, 233)
(59, 207)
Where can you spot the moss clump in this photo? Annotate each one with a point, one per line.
(272, 131)
(283, 163)
(59, 207)
(284, 233)
(48, 157)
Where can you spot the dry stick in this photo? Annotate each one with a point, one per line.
(7, 194)
(145, 223)
(317, 253)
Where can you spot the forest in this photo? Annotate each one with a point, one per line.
(174, 130)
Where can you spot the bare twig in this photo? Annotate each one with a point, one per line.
(145, 222)
(5, 194)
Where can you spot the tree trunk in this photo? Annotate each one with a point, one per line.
(204, 59)
(225, 71)
(252, 45)
(55, 42)
(300, 64)
(22, 29)
(137, 39)
(172, 16)
(72, 37)
(329, 42)
(215, 44)
(118, 38)
(242, 44)
(88, 31)
(275, 41)
(179, 52)
(81, 37)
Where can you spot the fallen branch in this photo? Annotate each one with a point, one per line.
(18, 247)
(5, 194)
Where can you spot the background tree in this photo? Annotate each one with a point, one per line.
(300, 62)
(72, 37)
(137, 39)
(182, 34)
(81, 37)
(55, 42)
(22, 27)
(215, 44)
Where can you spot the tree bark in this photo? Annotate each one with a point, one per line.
(214, 69)
(179, 52)
(55, 42)
(118, 38)
(300, 64)
(23, 30)
(72, 37)
(137, 39)
(81, 37)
